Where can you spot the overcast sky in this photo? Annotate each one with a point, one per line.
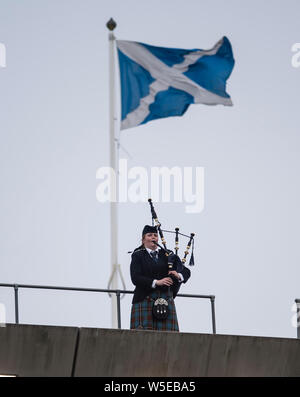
(54, 137)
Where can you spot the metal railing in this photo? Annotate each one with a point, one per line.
(118, 293)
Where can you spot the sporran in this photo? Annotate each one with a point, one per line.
(160, 309)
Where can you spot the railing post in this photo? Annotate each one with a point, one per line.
(213, 314)
(298, 317)
(119, 308)
(16, 288)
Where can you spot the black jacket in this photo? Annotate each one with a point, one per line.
(144, 270)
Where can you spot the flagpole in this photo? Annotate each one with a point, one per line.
(113, 283)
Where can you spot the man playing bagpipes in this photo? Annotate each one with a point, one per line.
(157, 274)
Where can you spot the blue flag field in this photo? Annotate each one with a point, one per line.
(159, 82)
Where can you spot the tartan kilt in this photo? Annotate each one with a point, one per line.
(142, 318)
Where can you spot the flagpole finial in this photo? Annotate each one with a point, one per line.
(111, 24)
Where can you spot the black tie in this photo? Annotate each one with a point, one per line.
(154, 256)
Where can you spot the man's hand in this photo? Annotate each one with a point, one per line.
(175, 274)
(164, 281)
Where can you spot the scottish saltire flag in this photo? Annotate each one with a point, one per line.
(161, 82)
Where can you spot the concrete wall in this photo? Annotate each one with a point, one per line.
(28, 350)
(148, 353)
(32, 350)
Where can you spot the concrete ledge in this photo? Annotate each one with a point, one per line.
(34, 350)
(106, 352)
(30, 350)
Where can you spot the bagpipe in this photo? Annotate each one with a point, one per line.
(169, 253)
(160, 307)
